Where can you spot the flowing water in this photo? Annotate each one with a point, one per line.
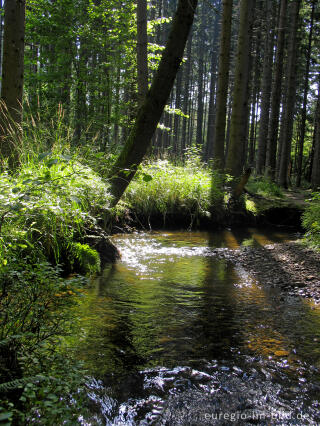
(173, 335)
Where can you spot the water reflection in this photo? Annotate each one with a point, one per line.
(171, 303)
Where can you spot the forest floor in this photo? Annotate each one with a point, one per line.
(298, 196)
(291, 267)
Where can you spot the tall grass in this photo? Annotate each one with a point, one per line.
(162, 189)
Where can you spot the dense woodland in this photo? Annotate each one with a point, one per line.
(82, 57)
(194, 96)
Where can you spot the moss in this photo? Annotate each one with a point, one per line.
(86, 258)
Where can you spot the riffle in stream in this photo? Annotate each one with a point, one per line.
(174, 335)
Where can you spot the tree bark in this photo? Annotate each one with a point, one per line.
(12, 76)
(142, 50)
(315, 177)
(1, 37)
(213, 83)
(276, 94)
(186, 88)
(305, 98)
(266, 91)
(200, 101)
(289, 107)
(150, 112)
(223, 82)
(234, 162)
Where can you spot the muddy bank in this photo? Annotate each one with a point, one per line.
(290, 266)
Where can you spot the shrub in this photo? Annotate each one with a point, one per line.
(35, 312)
(51, 202)
(311, 221)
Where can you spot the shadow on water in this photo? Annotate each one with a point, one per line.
(173, 326)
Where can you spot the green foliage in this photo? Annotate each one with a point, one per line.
(74, 53)
(52, 201)
(161, 188)
(35, 312)
(88, 258)
(264, 187)
(56, 397)
(47, 208)
(311, 221)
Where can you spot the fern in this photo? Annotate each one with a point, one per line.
(15, 384)
(19, 383)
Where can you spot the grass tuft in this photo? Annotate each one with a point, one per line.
(162, 189)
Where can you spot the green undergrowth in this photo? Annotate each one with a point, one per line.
(38, 384)
(47, 209)
(164, 190)
(262, 194)
(311, 221)
(264, 187)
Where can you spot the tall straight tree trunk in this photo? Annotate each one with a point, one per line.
(212, 90)
(12, 75)
(150, 112)
(200, 102)
(315, 176)
(266, 90)
(223, 82)
(288, 115)
(276, 94)
(234, 162)
(81, 92)
(1, 38)
(177, 116)
(186, 88)
(116, 108)
(142, 50)
(305, 98)
(247, 74)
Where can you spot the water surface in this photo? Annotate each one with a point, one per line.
(172, 318)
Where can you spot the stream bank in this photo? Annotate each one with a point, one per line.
(291, 267)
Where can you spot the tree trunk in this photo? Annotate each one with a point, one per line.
(177, 116)
(200, 102)
(150, 112)
(247, 75)
(276, 94)
(223, 81)
(288, 115)
(142, 50)
(266, 91)
(315, 177)
(81, 92)
(186, 88)
(305, 98)
(12, 76)
(1, 37)
(212, 91)
(234, 162)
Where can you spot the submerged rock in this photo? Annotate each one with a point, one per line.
(107, 250)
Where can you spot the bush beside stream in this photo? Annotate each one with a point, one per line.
(48, 212)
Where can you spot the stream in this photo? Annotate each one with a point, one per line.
(174, 335)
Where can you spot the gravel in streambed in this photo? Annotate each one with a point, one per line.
(289, 266)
